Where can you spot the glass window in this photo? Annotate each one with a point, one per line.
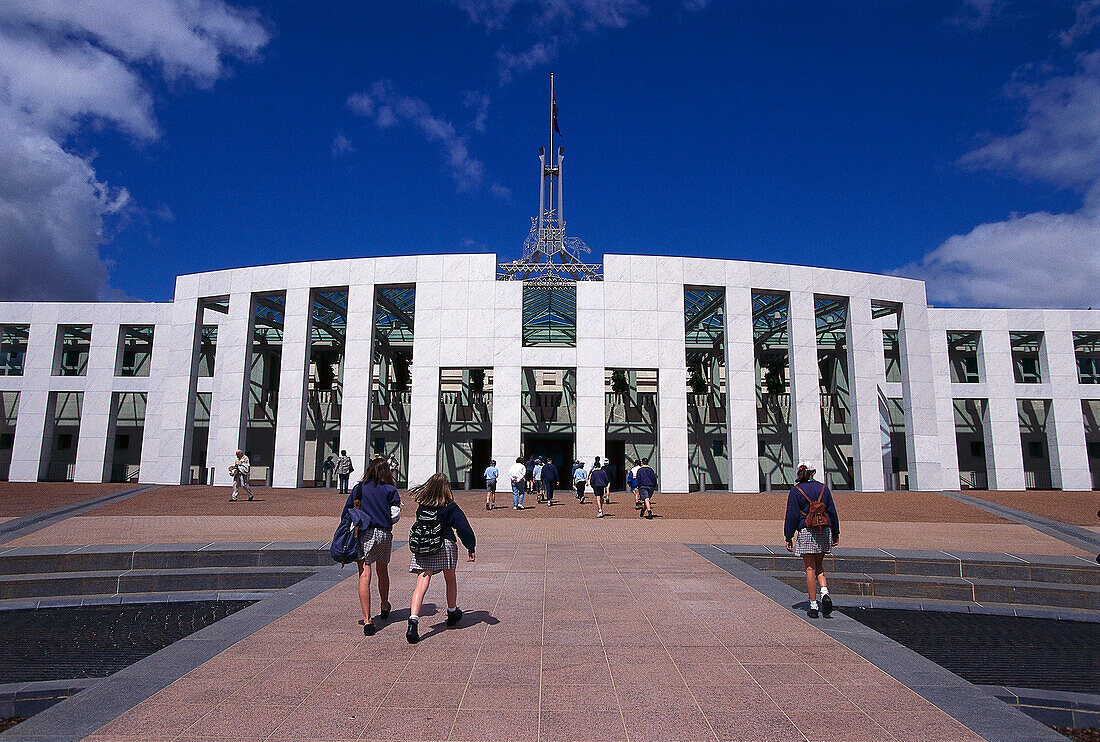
(550, 315)
(75, 342)
(13, 349)
(962, 353)
(1025, 357)
(136, 344)
(1086, 346)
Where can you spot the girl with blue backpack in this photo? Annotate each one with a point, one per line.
(434, 547)
(378, 507)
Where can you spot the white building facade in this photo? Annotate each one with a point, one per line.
(725, 373)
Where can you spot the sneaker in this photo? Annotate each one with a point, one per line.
(812, 613)
(368, 629)
(826, 604)
(250, 498)
(385, 612)
(232, 499)
(599, 514)
(412, 636)
(649, 515)
(641, 513)
(454, 616)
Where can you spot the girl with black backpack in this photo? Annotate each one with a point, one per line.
(434, 547)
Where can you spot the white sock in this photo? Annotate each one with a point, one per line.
(452, 610)
(824, 591)
(414, 618)
(813, 604)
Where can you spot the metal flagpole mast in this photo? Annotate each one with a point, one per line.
(551, 152)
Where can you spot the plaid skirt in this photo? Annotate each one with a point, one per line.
(375, 545)
(814, 541)
(445, 558)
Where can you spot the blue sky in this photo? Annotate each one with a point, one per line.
(953, 141)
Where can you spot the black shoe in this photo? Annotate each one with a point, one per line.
(368, 629)
(641, 513)
(454, 616)
(412, 636)
(649, 515)
(826, 604)
(582, 501)
(385, 612)
(812, 613)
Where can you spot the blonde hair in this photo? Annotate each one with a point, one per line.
(435, 493)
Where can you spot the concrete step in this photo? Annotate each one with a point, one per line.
(34, 560)
(975, 566)
(937, 587)
(115, 582)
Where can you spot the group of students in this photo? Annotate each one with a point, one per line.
(541, 477)
(376, 505)
(811, 529)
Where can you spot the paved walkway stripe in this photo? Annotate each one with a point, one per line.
(19, 527)
(1073, 535)
(965, 702)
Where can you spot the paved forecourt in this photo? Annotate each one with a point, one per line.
(576, 628)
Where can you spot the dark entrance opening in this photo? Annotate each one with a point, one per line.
(480, 454)
(556, 449)
(616, 460)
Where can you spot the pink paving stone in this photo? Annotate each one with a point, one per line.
(564, 663)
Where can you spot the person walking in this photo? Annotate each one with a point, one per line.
(239, 470)
(394, 467)
(537, 479)
(599, 481)
(344, 468)
(529, 475)
(549, 480)
(580, 479)
(379, 506)
(607, 470)
(631, 482)
(327, 470)
(645, 479)
(517, 474)
(811, 514)
(437, 509)
(492, 473)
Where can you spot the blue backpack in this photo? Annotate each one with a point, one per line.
(345, 544)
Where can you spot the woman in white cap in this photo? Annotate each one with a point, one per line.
(812, 515)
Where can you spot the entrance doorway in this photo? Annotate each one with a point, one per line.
(480, 455)
(556, 449)
(616, 461)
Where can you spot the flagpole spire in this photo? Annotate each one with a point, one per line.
(551, 152)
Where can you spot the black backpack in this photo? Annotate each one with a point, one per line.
(426, 534)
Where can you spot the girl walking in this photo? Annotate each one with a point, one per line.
(812, 515)
(379, 506)
(437, 517)
(580, 479)
(599, 481)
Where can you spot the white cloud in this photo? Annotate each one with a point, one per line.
(341, 145)
(1088, 16)
(535, 31)
(479, 103)
(1039, 259)
(502, 192)
(388, 108)
(67, 64)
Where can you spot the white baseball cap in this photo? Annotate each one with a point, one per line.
(807, 466)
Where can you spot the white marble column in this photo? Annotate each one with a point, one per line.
(945, 408)
(672, 447)
(291, 415)
(805, 381)
(1069, 462)
(591, 403)
(230, 387)
(166, 442)
(865, 372)
(357, 379)
(423, 421)
(1006, 468)
(741, 424)
(95, 443)
(507, 384)
(919, 397)
(31, 425)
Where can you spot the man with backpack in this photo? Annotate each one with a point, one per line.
(811, 514)
(645, 479)
(344, 468)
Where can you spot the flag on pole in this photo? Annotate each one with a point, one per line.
(554, 106)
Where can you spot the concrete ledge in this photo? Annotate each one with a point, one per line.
(1056, 708)
(968, 704)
